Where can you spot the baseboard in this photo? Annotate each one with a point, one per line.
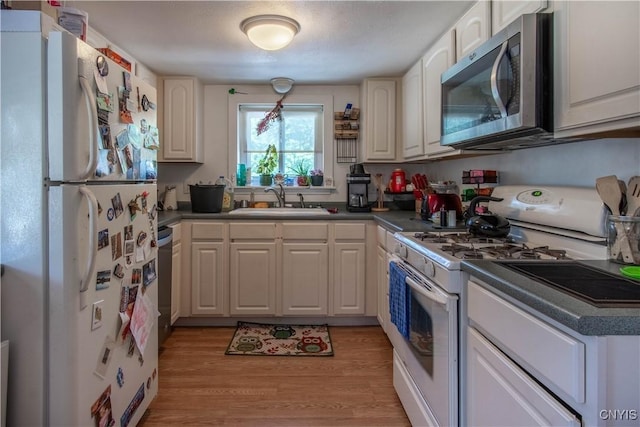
(233, 321)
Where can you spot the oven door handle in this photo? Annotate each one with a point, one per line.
(432, 293)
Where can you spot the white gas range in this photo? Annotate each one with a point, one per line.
(547, 223)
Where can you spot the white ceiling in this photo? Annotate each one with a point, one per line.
(340, 42)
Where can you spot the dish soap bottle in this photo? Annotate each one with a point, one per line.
(227, 198)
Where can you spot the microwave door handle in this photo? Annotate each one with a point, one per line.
(494, 80)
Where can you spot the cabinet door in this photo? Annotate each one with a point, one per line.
(379, 119)
(383, 288)
(305, 278)
(412, 137)
(504, 12)
(437, 60)
(349, 278)
(181, 134)
(176, 276)
(473, 28)
(252, 278)
(597, 76)
(499, 393)
(207, 278)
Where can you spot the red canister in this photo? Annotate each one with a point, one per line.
(398, 181)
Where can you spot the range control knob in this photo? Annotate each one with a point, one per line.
(401, 251)
(428, 267)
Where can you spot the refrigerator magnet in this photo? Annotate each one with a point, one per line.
(128, 233)
(116, 246)
(111, 213)
(116, 202)
(144, 126)
(118, 271)
(125, 419)
(127, 80)
(134, 208)
(101, 409)
(145, 103)
(103, 238)
(136, 276)
(120, 377)
(143, 201)
(129, 247)
(102, 66)
(101, 82)
(132, 346)
(142, 237)
(105, 102)
(103, 279)
(96, 314)
(104, 357)
(149, 272)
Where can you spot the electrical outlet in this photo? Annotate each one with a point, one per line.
(185, 186)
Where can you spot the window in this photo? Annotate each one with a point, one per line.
(297, 135)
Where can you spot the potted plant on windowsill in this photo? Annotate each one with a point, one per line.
(317, 177)
(300, 169)
(267, 165)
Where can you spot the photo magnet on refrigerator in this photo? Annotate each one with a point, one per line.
(96, 316)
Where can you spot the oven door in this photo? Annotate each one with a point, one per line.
(431, 352)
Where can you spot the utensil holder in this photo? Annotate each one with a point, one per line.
(623, 239)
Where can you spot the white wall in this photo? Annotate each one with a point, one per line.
(576, 164)
(217, 143)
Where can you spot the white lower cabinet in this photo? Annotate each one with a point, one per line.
(305, 278)
(349, 266)
(176, 278)
(501, 394)
(383, 288)
(207, 278)
(252, 268)
(278, 268)
(252, 278)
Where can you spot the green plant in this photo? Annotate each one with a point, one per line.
(300, 167)
(268, 164)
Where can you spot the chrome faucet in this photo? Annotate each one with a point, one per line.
(301, 200)
(279, 195)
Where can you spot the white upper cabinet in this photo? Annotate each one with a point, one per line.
(182, 134)
(379, 119)
(503, 12)
(412, 135)
(597, 66)
(473, 29)
(436, 61)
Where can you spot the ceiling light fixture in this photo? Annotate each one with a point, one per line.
(281, 84)
(270, 32)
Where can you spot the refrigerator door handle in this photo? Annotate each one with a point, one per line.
(94, 131)
(92, 202)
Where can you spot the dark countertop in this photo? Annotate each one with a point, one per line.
(393, 220)
(572, 312)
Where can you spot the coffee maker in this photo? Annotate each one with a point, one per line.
(357, 192)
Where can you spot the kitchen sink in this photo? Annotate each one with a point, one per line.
(279, 211)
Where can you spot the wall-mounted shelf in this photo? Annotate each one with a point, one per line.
(346, 130)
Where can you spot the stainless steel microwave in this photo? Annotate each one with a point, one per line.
(501, 95)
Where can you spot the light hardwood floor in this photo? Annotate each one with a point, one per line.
(200, 385)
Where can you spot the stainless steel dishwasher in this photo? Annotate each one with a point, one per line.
(165, 247)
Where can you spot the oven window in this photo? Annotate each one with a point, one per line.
(421, 335)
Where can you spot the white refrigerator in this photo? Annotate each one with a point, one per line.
(78, 239)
